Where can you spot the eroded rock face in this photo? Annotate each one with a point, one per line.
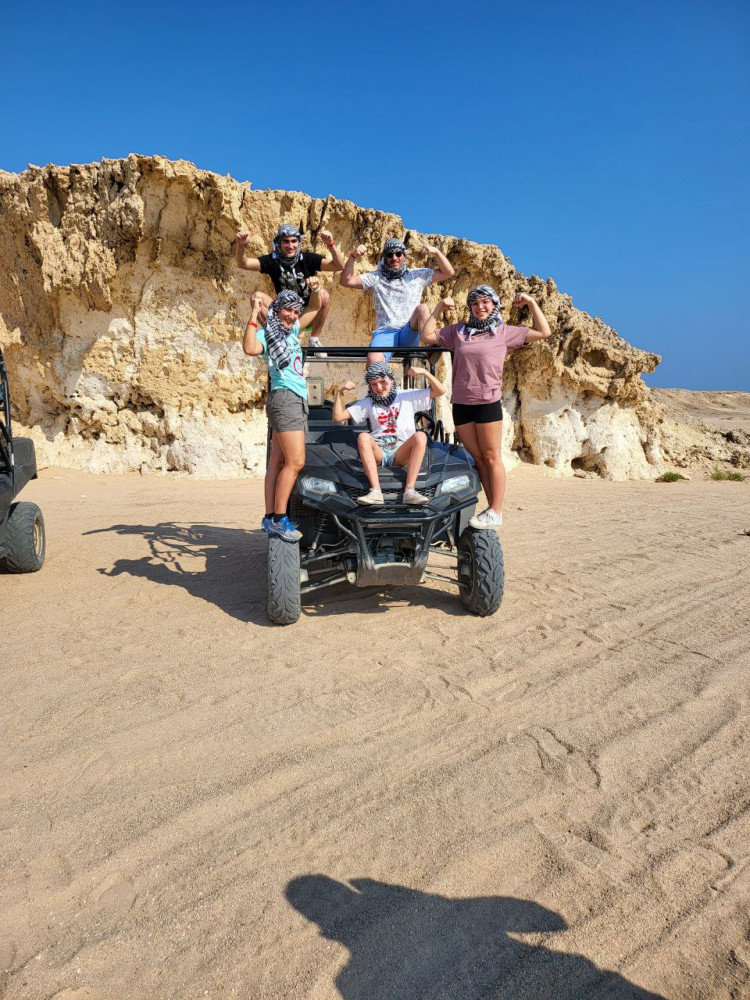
(121, 316)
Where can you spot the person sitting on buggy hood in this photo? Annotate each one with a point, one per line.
(393, 439)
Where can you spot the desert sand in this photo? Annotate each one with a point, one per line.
(390, 799)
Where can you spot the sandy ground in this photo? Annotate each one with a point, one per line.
(390, 800)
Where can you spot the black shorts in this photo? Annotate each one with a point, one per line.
(479, 413)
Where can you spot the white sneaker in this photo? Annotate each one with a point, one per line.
(315, 342)
(373, 497)
(487, 520)
(413, 497)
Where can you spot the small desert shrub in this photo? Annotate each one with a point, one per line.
(736, 477)
(669, 477)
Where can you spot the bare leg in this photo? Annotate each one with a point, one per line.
(292, 445)
(468, 436)
(371, 455)
(490, 438)
(419, 317)
(411, 454)
(321, 315)
(275, 463)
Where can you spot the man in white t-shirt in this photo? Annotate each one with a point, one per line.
(397, 294)
(394, 439)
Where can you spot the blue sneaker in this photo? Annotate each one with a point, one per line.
(265, 525)
(285, 529)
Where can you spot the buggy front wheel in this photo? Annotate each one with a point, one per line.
(284, 599)
(481, 571)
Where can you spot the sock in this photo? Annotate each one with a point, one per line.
(270, 516)
(278, 517)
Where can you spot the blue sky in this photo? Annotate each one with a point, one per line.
(603, 144)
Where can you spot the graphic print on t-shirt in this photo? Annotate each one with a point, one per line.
(291, 276)
(295, 280)
(387, 420)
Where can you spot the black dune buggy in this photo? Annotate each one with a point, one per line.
(22, 540)
(344, 542)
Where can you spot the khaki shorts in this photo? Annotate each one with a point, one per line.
(287, 411)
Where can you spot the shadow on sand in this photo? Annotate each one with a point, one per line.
(223, 566)
(414, 945)
(227, 567)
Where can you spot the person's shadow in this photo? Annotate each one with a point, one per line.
(224, 566)
(410, 945)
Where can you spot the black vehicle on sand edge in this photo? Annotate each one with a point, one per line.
(344, 542)
(22, 535)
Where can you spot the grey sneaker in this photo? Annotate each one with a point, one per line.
(487, 520)
(373, 497)
(284, 529)
(412, 496)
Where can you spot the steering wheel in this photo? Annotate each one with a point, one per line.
(424, 415)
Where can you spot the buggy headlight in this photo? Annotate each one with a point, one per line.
(315, 485)
(455, 484)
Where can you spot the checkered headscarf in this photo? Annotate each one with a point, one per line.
(276, 332)
(287, 230)
(474, 325)
(378, 370)
(391, 273)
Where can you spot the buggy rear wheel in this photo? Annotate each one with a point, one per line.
(284, 599)
(481, 571)
(26, 541)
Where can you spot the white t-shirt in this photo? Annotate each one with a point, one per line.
(394, 423)
(395, 301)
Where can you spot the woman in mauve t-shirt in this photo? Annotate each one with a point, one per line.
(479, 347)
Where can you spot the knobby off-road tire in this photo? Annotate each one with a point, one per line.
(284, 599)
(25, 539)
(481, 575)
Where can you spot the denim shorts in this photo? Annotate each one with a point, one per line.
(390, 336)
(389, 449)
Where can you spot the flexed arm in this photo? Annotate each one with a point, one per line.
(249, 343)
(428, 334)
(348, 278)
(540, 328)
(336, 260)
(444, 270)
(244, 260)
(340, 413)
(436, 386)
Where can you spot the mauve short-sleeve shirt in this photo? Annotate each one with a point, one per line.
(478, 362)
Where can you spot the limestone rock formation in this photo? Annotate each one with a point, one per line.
(121, 315)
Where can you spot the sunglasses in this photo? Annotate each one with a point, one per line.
(395, 253)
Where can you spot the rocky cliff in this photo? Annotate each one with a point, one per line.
(121, 315)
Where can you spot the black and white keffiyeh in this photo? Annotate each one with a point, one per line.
(474, 325)
(287, 230)
(379, 369)
(276, 332)
(392, 273)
